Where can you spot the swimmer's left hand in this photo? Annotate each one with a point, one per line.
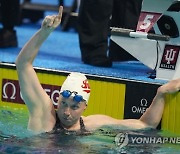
(170, 87)
(53, 21)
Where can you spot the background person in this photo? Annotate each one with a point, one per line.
(74, 94)
(94, 21)
(9, 18)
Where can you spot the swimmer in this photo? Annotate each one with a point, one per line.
(74, 97)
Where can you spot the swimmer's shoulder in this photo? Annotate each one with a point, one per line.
(94, 117)
(98, 117)
(98, 120)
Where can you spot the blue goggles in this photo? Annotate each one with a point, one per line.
(77, 98)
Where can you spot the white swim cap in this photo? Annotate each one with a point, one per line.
(77, 82)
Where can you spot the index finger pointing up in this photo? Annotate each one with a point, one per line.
(60, 11)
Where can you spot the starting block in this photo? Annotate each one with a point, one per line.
(158, 50)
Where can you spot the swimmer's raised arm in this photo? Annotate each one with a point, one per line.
(36, 99)
(153, 114)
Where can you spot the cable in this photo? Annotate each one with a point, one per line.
(153, 73)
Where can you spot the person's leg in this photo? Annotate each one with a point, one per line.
(10, 14)
(125, 15)
(93, 28)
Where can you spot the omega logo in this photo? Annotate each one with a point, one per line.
(11, 91)
(142, 108)
(5, 92)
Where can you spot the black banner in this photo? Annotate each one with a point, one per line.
(138, 98)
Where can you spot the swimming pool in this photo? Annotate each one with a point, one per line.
(15, 138)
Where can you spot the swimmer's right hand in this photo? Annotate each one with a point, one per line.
(53, 21)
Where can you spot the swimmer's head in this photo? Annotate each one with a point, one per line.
(77, 86)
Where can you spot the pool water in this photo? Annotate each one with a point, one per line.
(15, 138)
